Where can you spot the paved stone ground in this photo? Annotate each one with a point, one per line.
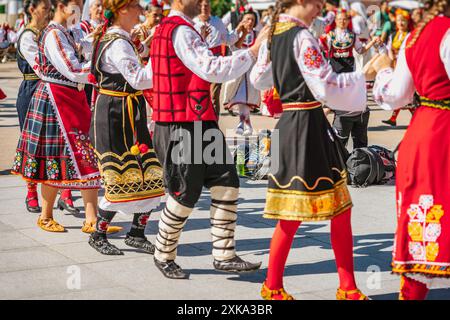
(38, 265)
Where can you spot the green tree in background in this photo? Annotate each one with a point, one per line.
(220, 7)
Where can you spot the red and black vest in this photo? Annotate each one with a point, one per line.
(179, 95)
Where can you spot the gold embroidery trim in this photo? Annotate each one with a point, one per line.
(342, 173)
(281, 27)
(293, 205)
(112, 154)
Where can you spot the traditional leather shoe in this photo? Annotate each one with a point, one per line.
(103, 246)
(140, 243)
(90, 228)
(390, 122)
(50, 225)
(279, 294)
(350, 295)
(236, 265)
(30, 208)
(170, 269)
(64, 205)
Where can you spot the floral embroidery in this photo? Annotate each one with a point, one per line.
(312, 58)
(133, 68)
(143, 219)
(52, 169)
(17, 162)
(71, 172)
(30, 168)
(424, 228)
(84, 147)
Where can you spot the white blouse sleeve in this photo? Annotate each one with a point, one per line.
(344, 91)
(444, 52)
(261, 74)
(122, 56)
(62, 56)
(196, 56)
(393, 89)
(229, 38)
(29, 49)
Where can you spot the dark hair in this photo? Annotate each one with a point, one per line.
(55, 2)
(28, 4)
(250, 12)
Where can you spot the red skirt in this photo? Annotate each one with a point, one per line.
(54, 147)
(422, 241)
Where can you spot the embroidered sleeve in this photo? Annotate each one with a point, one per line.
(64, 58)
(121, 56)
(394, 89)
(345, 91)
(29, 49)
(196, 56)
(261, 74)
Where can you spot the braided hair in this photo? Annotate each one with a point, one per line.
(433, 9)
(280, 7)
(110, 8)
(109, 13)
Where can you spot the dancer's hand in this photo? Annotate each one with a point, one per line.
(134, 34)
(263, 34)
(205, 30)
(241, 27)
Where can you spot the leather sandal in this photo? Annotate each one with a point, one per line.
(32, 209)
(344, 295)
(268, 294)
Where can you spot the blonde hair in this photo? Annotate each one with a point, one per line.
(436, 7)
(280, 7)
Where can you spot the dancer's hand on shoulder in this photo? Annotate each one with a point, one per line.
(263, 34)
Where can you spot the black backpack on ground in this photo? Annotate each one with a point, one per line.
(370, 165)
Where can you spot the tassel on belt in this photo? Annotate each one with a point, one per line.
(130, 97)
(437, 104)
(30, 76)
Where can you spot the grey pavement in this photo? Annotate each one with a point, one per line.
(39, 265)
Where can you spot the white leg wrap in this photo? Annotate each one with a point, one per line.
(223, 221)
(173, 218)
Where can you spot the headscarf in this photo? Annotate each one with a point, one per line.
(360, 8)
(86, 16)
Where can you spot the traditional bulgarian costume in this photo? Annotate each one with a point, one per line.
(54, 147)
(308, 180)
(422, 241)
(184, 68)
(396, 41)
(132, 175)
(218, 40)
(340, 45)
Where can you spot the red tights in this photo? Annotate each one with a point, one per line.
(341, 241)
(412, 290)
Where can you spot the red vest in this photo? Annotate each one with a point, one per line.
(424, 62)
(179, 95)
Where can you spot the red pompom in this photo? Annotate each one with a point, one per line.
(143, 148)
(91, 78)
